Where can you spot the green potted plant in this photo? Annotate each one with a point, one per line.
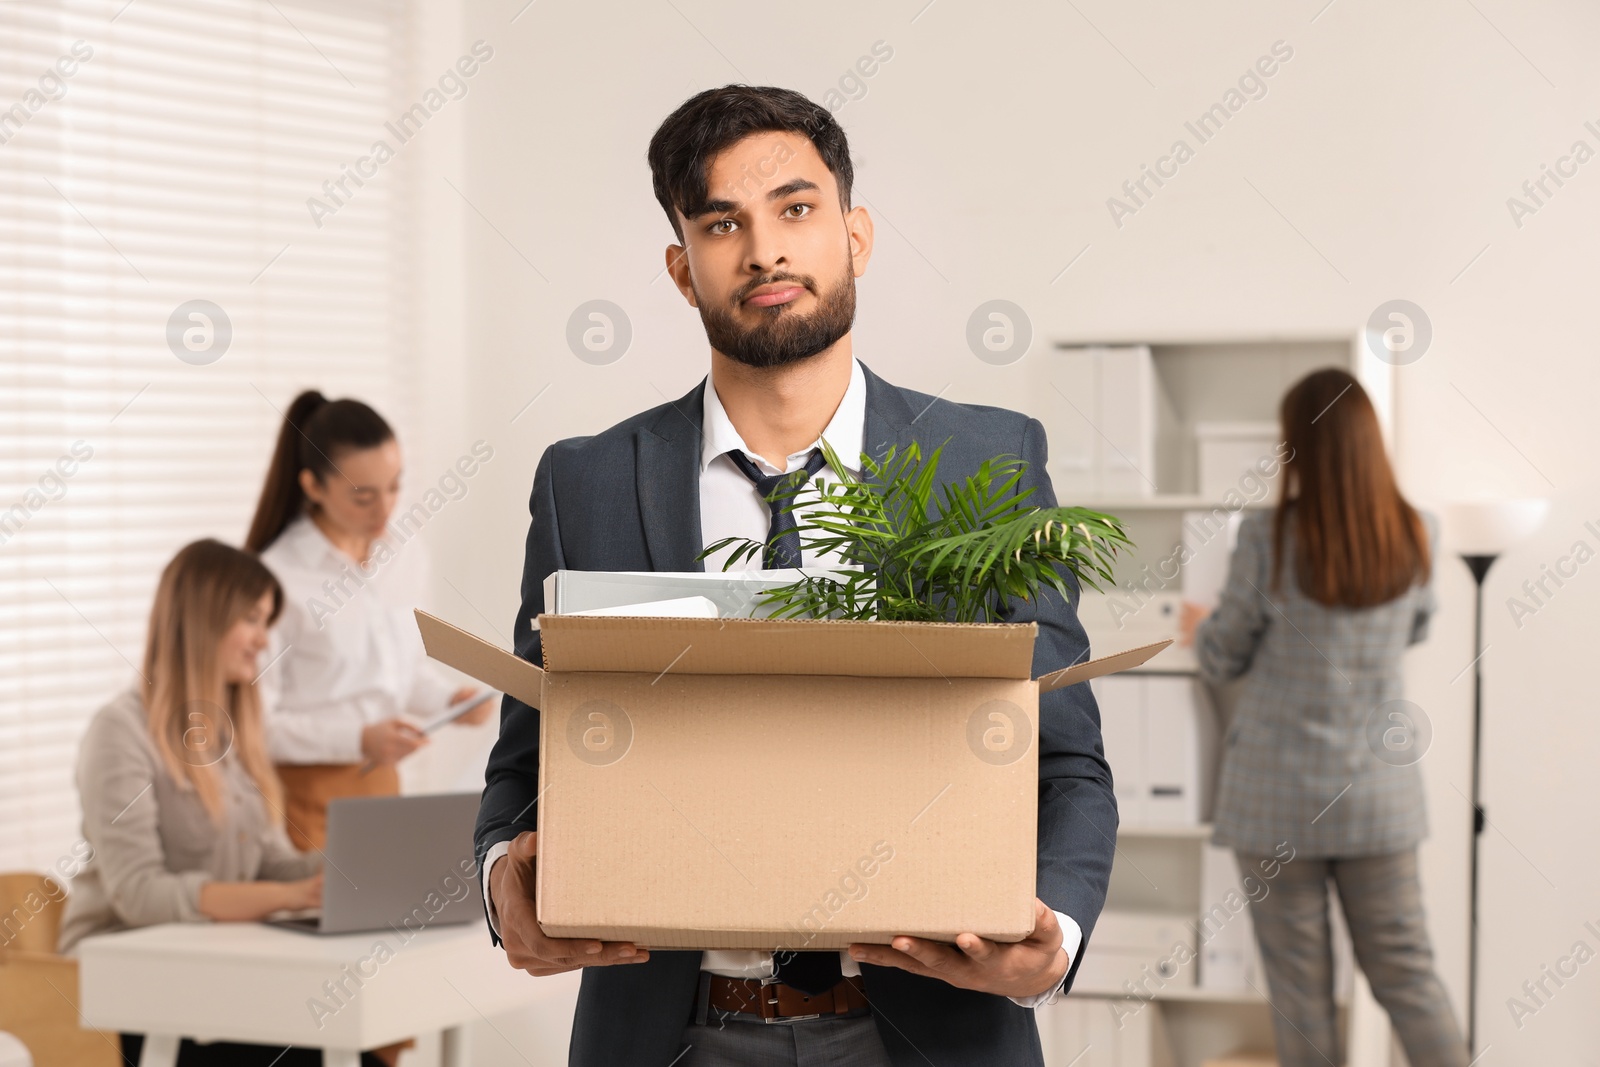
(929, 552)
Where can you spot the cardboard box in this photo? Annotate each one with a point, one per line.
(1244, 1058)
(767, 784)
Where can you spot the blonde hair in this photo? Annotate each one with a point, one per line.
(197, 717)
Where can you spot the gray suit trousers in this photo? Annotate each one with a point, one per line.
(1382, 901)
(845, 1042)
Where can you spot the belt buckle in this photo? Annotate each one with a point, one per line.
(773, 980)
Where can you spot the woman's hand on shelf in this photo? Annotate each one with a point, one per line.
(1189, 622)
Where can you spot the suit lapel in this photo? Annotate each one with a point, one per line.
(668, 467)
(890, 420)
(668, 472)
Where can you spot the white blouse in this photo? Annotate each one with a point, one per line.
(345, 652)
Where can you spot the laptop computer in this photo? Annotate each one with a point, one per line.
(397, 862)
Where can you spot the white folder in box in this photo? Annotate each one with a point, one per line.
(736, 594)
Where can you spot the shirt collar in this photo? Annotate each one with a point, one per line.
(305, 541)
(845, 432)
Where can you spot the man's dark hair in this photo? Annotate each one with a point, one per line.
(708, 122)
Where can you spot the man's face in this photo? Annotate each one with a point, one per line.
(772, 263)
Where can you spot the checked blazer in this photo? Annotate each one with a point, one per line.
(1316, 754)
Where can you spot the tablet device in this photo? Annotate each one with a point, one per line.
(456, 710)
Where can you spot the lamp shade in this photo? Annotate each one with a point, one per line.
(1489, 527)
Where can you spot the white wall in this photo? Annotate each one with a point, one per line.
(1376, 167)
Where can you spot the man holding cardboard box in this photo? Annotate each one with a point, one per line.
(756, 182)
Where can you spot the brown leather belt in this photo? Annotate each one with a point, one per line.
(776, 1002)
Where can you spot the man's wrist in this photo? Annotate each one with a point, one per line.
(491, 860)
(1059, 969)
(1063, 965)
(493, 867)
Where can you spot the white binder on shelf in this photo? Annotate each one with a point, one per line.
(1160, 735)
(1098, 406)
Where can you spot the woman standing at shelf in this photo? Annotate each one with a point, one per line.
(180, 804)
(346, 662)
(1324, 594)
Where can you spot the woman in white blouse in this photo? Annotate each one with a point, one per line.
(346, 662)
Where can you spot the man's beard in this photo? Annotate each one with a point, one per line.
(783, 336)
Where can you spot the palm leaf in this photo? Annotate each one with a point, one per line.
(963, 550)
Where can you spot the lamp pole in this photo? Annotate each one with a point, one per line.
(1479, 566)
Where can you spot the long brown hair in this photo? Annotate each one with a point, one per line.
(195, 716)
(1357, 542)
(315, 432)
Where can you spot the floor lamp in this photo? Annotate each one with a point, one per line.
(1481, 531)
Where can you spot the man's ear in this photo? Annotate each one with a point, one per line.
(678, 267)
(858, 227)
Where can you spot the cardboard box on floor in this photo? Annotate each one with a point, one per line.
(765, 784)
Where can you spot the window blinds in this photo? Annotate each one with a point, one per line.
(156, 154)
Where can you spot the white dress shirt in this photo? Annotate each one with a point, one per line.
(345, 652)
(731, 506)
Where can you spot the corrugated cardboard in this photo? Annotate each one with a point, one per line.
(1244, 1059)
(765, 784)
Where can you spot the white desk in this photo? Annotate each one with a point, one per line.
(258, 984)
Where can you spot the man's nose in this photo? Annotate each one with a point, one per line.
(766, 252)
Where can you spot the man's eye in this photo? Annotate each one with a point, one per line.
(720, 222)
(805, 208)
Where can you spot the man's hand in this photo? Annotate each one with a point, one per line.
(511, 897)
(1024, 968)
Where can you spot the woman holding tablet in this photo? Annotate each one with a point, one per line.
(346, 662)
(179, 800)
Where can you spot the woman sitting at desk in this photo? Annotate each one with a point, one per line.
(180, 803)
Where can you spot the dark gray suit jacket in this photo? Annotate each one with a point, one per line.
(628, 499)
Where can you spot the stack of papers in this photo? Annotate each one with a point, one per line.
(687, 594)
(685, 607)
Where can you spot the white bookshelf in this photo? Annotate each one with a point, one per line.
(1222, 380)
(1158, 868)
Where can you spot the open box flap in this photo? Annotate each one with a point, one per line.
(631, 644)
(489, 664)
(1096, 668)
(763, 646)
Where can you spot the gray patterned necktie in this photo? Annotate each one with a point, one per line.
(783, 538)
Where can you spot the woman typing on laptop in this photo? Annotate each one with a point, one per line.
(179, 800)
